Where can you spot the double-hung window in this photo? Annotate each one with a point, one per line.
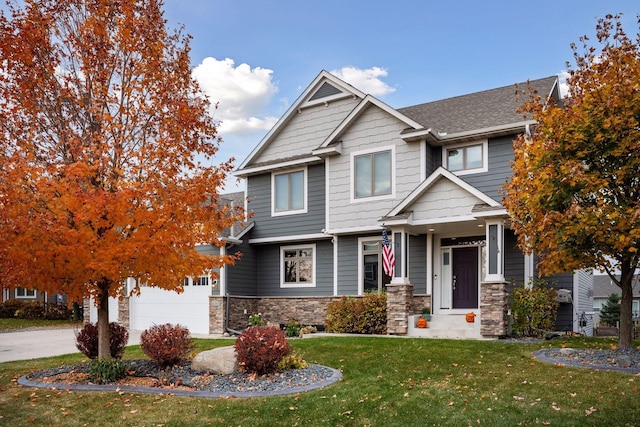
(463, 159)
(372, 174)
(289, 192)
(25, 293)
(297, 266)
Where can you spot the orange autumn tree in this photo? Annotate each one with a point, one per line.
(574, 198)
(106, 147)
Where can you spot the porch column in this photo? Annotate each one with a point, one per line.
(400, 290)
(495, 250)
(401, 273)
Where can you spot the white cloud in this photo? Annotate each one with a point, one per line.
(368, 81)
(242, 94)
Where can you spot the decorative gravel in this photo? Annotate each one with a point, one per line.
(625, 360)
(204, 384)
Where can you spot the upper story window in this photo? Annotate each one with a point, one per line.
(25, 293)
(465, 159)
(289, 192)
(297, 266)
(372, 174)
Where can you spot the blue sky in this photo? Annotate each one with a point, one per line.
(256, 57)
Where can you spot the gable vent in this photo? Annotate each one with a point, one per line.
(325, 90)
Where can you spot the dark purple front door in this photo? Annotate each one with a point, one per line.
(465, 277)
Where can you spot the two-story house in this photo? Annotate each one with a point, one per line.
(340, 167)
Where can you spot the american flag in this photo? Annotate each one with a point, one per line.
(388, 260)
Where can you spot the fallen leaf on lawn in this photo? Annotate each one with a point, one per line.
(546, 423)
(451, 403)
(133, 411)
(406, 394)
(346, 413)
(518, 398)
(590, 411)
(555, 406)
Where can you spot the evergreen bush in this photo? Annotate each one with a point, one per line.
(610, 311)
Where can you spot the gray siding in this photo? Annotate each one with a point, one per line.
(564, 320)
(312, 222)
(500, 157)
(241, 277)
(434, 158)
(348, 265)
(513, 259)
(268, 270)
(418, 263)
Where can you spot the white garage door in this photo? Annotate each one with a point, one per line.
(157, 306)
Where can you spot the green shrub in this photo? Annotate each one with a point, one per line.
(167, 345)
(292, 328)
(33, 310)
(30, 310)
(87, 340)
(365, 315)
(260, 349)
(104, 371)
(8, 309)
(292, 361)
(534, 309)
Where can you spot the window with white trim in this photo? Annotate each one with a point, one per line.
(372, 174)
(25, 293)
(298, 266)
(470, 158)
(289, 194)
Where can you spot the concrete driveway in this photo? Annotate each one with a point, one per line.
(33, 344)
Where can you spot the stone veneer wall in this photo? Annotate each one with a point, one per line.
(274, 310)
(494, 308)
(123, 312)
(399, 307)
(419, 302)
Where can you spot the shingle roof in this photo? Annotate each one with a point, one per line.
(603, 286)
(478, 110)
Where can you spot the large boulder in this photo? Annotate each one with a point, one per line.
(221, 360)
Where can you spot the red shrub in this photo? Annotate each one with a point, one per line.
(87, 340)
(167, 345)
(260, 348)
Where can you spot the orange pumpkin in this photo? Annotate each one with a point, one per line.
(422, 322)
(471, 317)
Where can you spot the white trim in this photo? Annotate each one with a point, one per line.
(294, 238)
(529, 268)
(359, 109)
(222, 280)
(327, 183)
(305, 174)
(334, 240)
(300, 101)
(429, 182)
(498, 276)
(313, 267)
(277, 166)
(429, 264)
(485, 157)
(423, 160)
(355, 230)
(352, 177)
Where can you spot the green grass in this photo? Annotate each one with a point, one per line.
(13, 324)
(386, 382)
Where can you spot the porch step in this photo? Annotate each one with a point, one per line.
(446, 326)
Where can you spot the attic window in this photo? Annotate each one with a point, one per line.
(465, 159)
(325, 91)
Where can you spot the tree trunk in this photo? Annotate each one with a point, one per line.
(104, 350)
(626, 304)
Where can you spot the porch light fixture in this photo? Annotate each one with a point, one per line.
(480, 225)
(432, 230)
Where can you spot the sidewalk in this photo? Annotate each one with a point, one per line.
(34, 344)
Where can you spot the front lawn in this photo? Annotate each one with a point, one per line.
(15, 324)
(386, 382)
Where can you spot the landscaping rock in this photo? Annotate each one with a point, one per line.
(221, 360)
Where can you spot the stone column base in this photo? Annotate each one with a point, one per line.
(399, 302)
(494, 308)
